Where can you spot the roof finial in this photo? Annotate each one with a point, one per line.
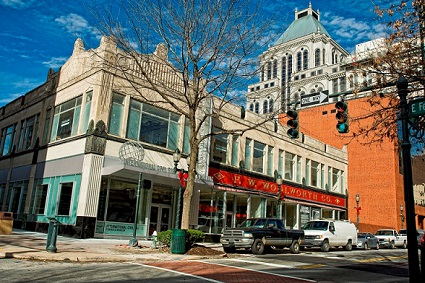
(309, 4)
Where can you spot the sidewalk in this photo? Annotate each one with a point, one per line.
(32, 246)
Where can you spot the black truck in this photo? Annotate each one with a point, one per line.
(260, 235)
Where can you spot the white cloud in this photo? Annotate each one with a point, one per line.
(17, 4)
(55, 62)
(75, 24)
(351, 29)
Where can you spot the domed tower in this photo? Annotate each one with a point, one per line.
(304, 60)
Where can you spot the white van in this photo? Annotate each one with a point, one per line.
(327, 233)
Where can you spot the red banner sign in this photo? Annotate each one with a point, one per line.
(238, 180)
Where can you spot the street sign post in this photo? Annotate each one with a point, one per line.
(315, 98)
(416, 108)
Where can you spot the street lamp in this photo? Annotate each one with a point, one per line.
(182, 175)
(178, 236)
(409, 201)
(132, 153)
(401, 216)
(279, 181)
(358, 208)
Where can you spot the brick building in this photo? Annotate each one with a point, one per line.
(306, 69)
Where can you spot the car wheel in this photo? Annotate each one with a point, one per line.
(228, 250)
(325, 246)
(366, 246)
(258, 247)
(295, 247)
(377, 246)
(349, 246)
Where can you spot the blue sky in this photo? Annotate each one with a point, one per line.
(36, 35)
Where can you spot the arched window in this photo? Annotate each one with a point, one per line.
(262, 73)
(305, 60)
(333, 56)
(351, 81)
(317, 57)
(271, 102)
(257, 107)
(283, 71)
(274, 68)
(269, 71)
(251, 107)
(265, 106)
(299, 61)
(289, 67)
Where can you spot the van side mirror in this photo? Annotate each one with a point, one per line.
(332, 228)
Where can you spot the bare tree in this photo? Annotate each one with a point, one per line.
(207, 52)
(401, 53)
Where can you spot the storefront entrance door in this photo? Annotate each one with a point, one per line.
(160, 218)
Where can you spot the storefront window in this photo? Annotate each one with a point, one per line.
(86, 111)
(153, 125)
(258, 160)
(280, 162)
(235, 150)
(65, 199)
(7, 139)
(220, 148)
(298, 171)
(335, 180)
(248, 149)
(66, 119)
(289, 166)
(186, 136)
(270, 160)
(116, 115)
(314, 174)
(211, 216)
(40, 198)
(121, 201)
(28, 128)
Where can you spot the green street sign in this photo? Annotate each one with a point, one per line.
(416, 107)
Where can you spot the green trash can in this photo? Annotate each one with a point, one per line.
(178, 241)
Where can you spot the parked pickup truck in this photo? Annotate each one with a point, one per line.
(389, 238)
(260, 234)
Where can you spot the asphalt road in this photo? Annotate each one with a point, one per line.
(281, 266)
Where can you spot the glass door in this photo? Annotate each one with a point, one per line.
(160, 218)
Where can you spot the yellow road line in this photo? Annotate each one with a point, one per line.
(382, 258)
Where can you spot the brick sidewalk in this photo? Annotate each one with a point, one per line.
(224, 273)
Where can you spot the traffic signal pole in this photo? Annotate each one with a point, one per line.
(412, 248)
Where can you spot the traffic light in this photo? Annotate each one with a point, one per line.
(342, 117)
(292, 124)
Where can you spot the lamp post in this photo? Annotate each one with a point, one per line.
(279, 181)
(409, 201)
(358, 208)
(178, 236)
(132, 153)
(176, 159)
(133, 242)
(401, 216)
